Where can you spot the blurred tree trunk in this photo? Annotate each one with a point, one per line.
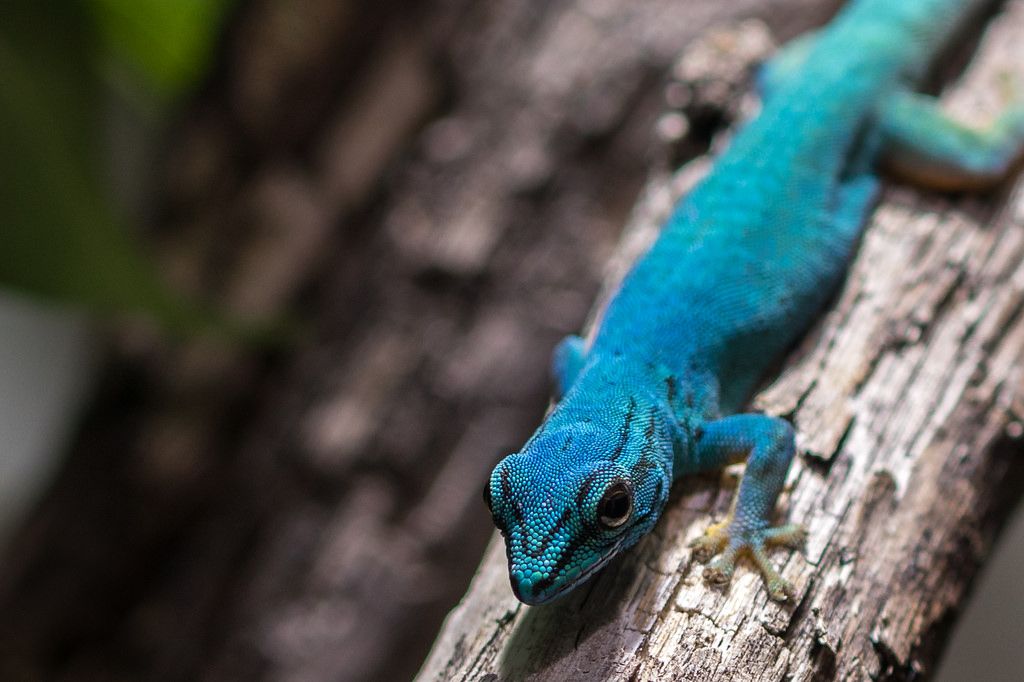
(436, 187)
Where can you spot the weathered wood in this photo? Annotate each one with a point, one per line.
(439, 185)
(908, 399)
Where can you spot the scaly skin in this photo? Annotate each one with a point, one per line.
(740, 271)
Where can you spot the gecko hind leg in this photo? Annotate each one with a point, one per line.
(922, 144)
(768, 445)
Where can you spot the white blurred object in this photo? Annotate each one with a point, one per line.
(47, 364)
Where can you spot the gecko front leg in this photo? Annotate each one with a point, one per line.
(767, 444)
(566, 362)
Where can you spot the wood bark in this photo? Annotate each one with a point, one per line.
(435, 186)
(908, 400)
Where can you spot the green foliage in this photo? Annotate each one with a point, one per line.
(167, 41)
(60, 238)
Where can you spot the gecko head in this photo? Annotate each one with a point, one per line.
(570, 501)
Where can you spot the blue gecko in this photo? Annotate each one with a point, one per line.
(739, 272)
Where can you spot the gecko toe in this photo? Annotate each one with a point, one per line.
(724, 543)
(714, 540)
(719, 571)
(793, 536)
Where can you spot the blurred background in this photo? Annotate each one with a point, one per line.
(279, 285)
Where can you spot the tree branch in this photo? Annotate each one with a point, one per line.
(908, 403)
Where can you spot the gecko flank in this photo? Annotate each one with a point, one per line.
(739, 272)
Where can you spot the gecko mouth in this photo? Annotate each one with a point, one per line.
(536, 597)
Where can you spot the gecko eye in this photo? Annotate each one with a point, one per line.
(616, 505)
(487, 495)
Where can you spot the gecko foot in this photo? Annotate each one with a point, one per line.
(729, 542)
